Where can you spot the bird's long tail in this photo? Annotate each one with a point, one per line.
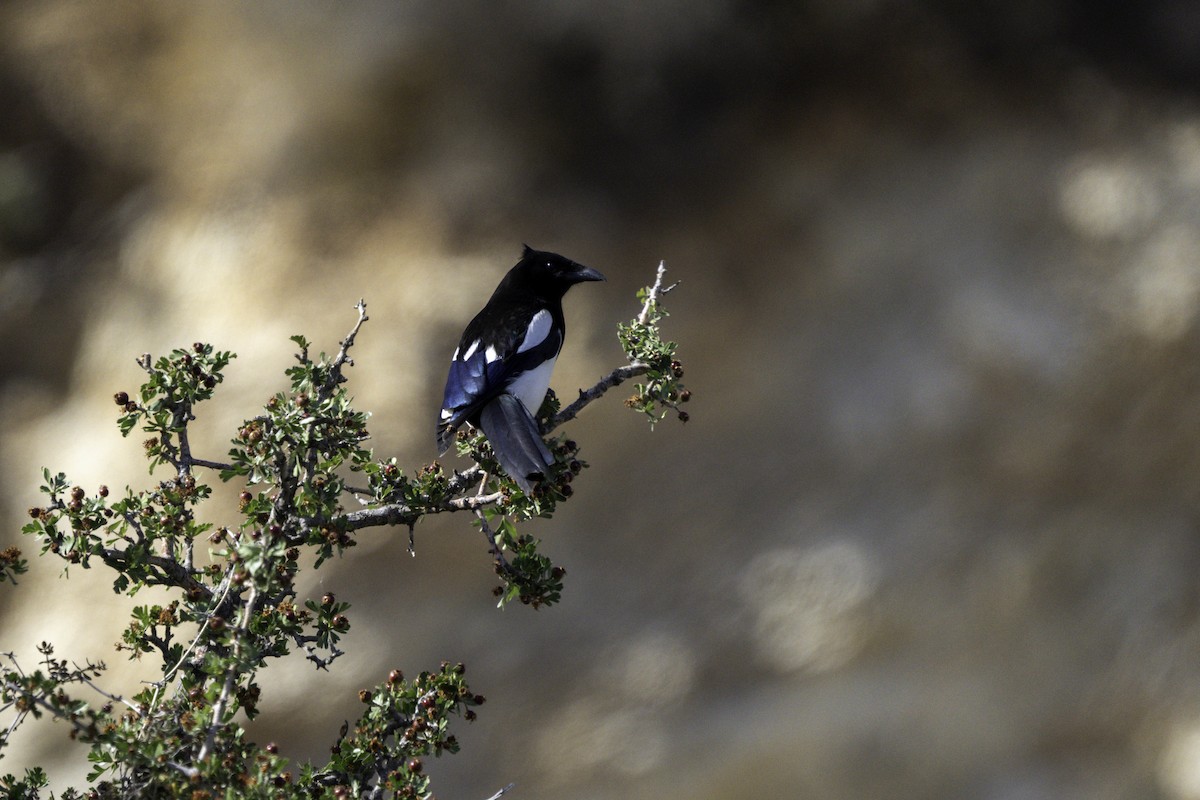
(515, 440)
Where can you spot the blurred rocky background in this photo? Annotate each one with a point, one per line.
(932, 529)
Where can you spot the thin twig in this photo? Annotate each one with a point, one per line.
(586, 396)
(227, 688)
(57, 712)
(497, 552)
(502, 792)
(116, 698)
(226, 583)
(472, 503)
(343, 355)
(204, 462)
(656, 291)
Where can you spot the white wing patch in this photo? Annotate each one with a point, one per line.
(490, 354)
(470, 351)
(539, 329)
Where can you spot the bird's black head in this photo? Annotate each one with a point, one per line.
(549, 274)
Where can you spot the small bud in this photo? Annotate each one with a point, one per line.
(395, 676)
(272, 748)
(415, 765)
(469, 715)
(683, 416)
(121, 398)
(131, 407)
(35, 512)
(364, 696)
(479, 699)
(557, 573)
(566, 490)
(328, 599)
(76, 493)
(340, 622)
(685, 395)
(103, 491)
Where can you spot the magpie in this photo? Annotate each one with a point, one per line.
(501, 369)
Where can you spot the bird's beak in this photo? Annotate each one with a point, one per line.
(588, 274)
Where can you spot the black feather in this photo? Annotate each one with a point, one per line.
(515, 440)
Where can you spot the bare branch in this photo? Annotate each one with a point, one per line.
(502, 792)
(343, 355)
(494, 546)
(203, 462)
(586, 396)
(116, 698)
(656, 291)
